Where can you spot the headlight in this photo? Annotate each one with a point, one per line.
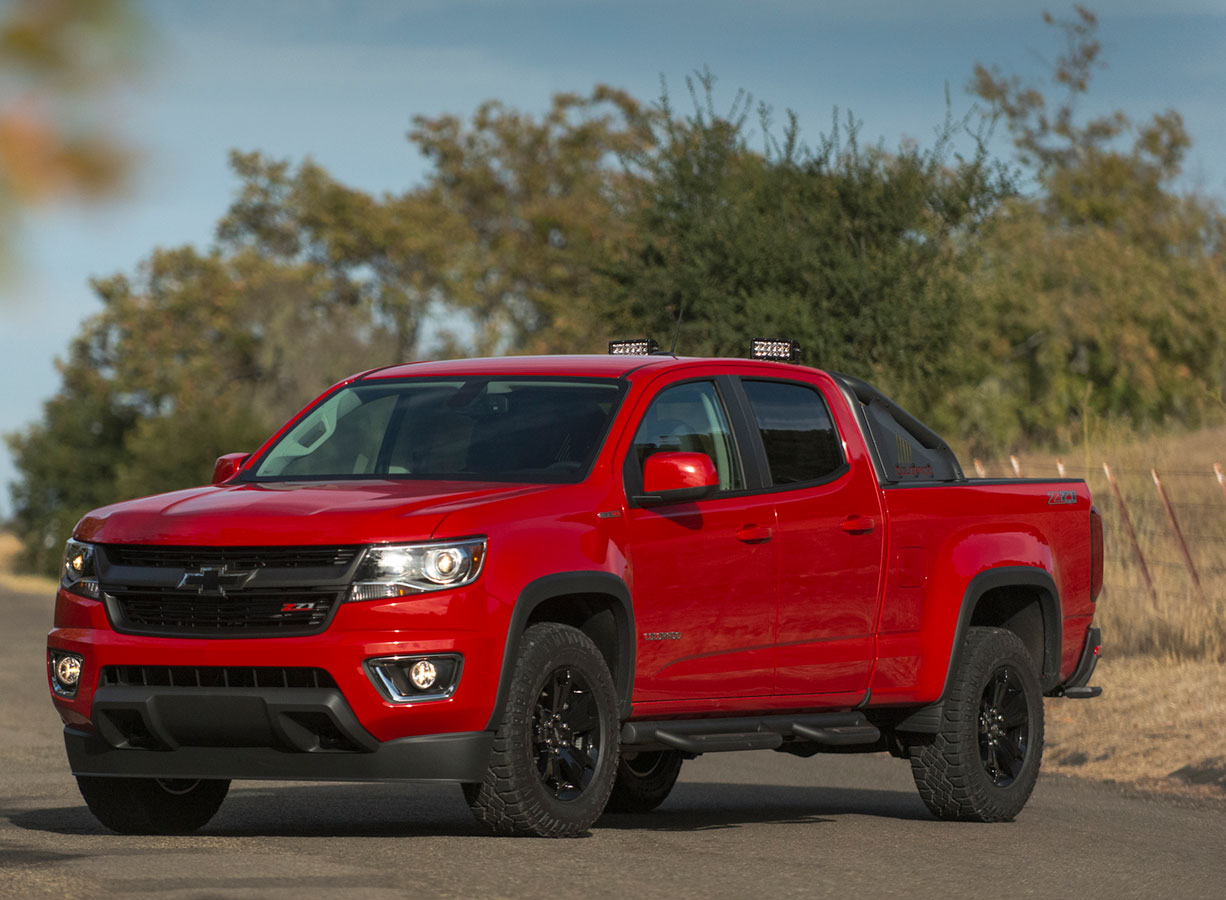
(78, 574)
(403, 569)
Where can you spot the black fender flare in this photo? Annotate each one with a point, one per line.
(927, 718)
(561, 584)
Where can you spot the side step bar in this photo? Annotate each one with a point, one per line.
(756, 733)
(721, 743)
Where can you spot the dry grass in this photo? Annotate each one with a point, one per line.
(26, 584)
(1160, 725)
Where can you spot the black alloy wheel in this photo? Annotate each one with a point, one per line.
(1004, 726)
(566, 733)
(555, 751)
(983, 761)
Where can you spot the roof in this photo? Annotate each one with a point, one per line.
(592, 366)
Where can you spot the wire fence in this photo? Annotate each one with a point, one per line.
(1165, 547)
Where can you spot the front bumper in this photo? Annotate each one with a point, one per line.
(436, 757)
(268, 732)
(447, 623)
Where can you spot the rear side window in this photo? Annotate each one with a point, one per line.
(801, 442)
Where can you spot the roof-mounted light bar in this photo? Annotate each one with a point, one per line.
(637, 347)
(782, 351)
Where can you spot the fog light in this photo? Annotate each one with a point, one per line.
(66, 673)
(424, 673)
(408, 679)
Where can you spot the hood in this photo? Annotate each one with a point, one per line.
(291, 513)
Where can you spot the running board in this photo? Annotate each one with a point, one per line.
(721, 743)
(839, 735)
(843, 729)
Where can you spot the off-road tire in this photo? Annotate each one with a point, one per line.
(643, 781)
(972, 770)
(152, 805)
(524, 792)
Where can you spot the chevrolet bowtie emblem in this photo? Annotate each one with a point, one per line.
(215, 580)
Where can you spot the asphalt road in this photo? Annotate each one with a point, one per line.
(743, 825)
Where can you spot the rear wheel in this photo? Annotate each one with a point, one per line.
(983, 763)
(152, 805)
(644, 780)
(555, 751)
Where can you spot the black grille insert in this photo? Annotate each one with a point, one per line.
(217, 676)
(237, 557)
(167, 611)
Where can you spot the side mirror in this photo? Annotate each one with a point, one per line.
(677, 478)
(226, 466)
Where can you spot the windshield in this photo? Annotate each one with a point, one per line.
(486, 429)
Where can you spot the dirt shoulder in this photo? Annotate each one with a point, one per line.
(1160, 725)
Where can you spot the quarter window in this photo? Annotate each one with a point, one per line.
(690, 417)
(801, 442)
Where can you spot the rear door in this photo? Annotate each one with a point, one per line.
(703, 573)
(830, 533)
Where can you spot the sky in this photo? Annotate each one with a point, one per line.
(340, 81)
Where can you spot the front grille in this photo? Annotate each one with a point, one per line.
(217, 676)
(170, 612)
(236, 557)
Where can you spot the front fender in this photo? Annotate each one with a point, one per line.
(562, 584)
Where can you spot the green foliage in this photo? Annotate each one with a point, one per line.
(527, 216)
(858, 253)
(1098, 298)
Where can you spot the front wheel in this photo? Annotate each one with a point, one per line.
(984, 761)
(555, 751)
(152, 805)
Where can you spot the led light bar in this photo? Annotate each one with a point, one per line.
(637, 347)
(782, 351)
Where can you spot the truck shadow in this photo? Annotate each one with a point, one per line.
(399, 810)
(698, 806)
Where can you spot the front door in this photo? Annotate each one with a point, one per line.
(703, 572)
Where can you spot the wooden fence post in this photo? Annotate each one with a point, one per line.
(1221, 479)
(1060, 466)
(1017, 467)
(1132, 537)
(979, 468)
(1183, 545)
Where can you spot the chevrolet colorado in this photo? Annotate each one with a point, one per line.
(551, 580)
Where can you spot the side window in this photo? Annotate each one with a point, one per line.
(690, 417)
(801, 441)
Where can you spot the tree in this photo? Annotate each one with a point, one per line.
(529, 215)
(857, 252)
(1099, 295)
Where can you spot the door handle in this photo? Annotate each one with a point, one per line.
(858, 524)
(754, 534)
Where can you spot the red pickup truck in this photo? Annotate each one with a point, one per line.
(551, 580)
